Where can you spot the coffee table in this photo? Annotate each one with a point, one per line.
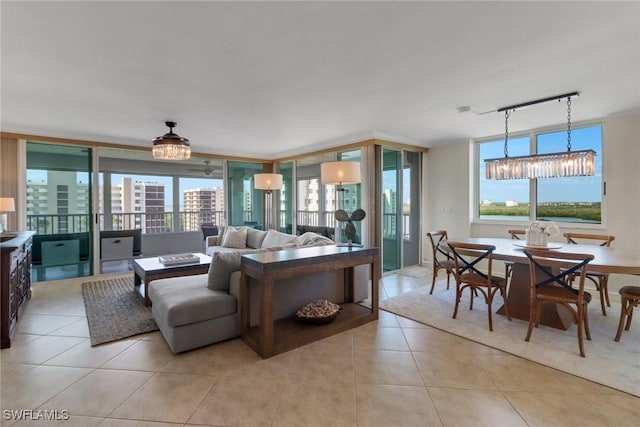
(148, 269)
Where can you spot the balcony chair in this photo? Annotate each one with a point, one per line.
(630, 299)
(441, 258)
(466, 257)
(552, 274)
(508, 265)
(601, 280)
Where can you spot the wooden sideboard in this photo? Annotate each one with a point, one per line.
(15, 281)
(271, 337)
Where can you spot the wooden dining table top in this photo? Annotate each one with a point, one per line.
(606, 259)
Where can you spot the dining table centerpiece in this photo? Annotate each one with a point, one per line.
(539, 231)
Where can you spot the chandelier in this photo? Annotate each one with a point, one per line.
(550, 165)
(171, 146)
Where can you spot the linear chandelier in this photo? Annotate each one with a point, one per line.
(550, 165)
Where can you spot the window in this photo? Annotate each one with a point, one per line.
(507, 199)
(573, 200)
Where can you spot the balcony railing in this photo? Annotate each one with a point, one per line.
(149, 222)
(162, 222)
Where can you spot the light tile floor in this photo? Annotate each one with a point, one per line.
(392, 372)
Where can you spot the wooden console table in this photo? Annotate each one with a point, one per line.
(271, 337)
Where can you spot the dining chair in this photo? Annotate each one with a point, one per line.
(466, 257)
(552, 274)
(601, 280)
(515, 234)
(630, 299)
(442, 260)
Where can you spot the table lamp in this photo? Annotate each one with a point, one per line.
(7, 204)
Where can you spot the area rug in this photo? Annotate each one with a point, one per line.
(114, 311)
(614, 364)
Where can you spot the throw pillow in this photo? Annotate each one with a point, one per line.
(220, 235)
(276, 238)
(255, 237)
(222, 265)
(235, 238)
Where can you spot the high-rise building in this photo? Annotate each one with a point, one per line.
(52, 202)
(138, 205)
(202, 205)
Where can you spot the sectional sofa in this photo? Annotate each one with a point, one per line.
(194, 311)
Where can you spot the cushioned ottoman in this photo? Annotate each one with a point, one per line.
(190, 315)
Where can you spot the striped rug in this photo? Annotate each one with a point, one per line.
(115, 311)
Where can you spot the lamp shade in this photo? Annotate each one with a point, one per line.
(7, 204)
(340, 173)
(267, 181)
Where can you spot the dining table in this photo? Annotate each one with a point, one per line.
(612, 260)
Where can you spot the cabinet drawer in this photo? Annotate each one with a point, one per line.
(116, 248)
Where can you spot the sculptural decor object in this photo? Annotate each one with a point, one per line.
(350, 229)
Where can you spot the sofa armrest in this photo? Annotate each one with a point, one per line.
(212, 241)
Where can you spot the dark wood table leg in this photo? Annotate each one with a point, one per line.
(245, 315)
(147, 301)
(266, 317)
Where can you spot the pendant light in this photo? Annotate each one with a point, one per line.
(171, 146)
(551, 165)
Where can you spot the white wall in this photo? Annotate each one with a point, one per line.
(447, 195)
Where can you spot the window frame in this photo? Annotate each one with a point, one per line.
(532, 134)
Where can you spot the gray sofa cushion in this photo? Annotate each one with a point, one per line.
(188, 301)
(220, 235)
(276, 238)
(255, 237)
(222, 265)
(235, 238)
(225, 263)
(212, 250)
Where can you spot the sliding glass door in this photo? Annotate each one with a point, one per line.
(400, 208)
(245, 203)
(59, 195)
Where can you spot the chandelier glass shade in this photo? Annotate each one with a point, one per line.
(171, 146)
(549, 165)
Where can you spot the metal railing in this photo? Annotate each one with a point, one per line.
(149, 222)
(162, 222)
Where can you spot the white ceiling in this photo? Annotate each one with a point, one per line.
(269, 79)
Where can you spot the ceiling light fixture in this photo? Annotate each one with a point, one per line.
(171, 146)
(550, 165)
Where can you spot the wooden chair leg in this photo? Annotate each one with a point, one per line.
(580, 343)
(503, 291)
(433, 280)
(458, 294)
(532, 316)
(630, 305)
(586, 322)
(623, 312)
(605, 289)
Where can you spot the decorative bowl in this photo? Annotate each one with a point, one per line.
(318, 313)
